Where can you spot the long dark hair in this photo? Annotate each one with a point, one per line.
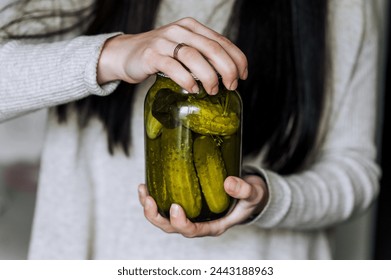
(283, 97)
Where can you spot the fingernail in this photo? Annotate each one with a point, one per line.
(245, 74)
(174, 211)
(233, 85)
(233, 185)
(214, 90)
(195, 89)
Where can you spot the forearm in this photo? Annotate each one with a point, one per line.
(333, 190)
(35, 76)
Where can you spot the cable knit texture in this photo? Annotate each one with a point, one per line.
(87, 204)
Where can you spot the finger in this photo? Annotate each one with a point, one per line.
(241, 212)
(176, 71)
(142, 193)
(215, 55)
(220, 60)
(153, 216)
(251, 192)
(224, 59)
(204, 57)
(235, 53)
(200, 67)
(184, 226)
(180, 222)
(240, 189)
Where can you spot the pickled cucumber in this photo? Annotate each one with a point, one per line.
(153, 127)
(204, 117)
(211, 173)
(230, 151)
(155, 183)
(179, 173)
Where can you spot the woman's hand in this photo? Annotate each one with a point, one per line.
(132, 58)
(252, 196)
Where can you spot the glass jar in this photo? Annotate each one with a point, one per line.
(192, 143)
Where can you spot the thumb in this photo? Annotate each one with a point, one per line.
(238, 188)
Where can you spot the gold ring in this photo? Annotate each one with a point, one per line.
(176, 50)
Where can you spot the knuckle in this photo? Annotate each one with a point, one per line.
(189, 234)
(167, 62)
(188, 21)
(230, 71)
(219, 229)
(186, 83)
(148, 54)
(223, 39)
(150, 218)
(210, 79)
(214, 47)
(219, 232)
(163, 64)
(173, 30)
(247, 190)
(243, 59)
(159, 41)
(169, 230)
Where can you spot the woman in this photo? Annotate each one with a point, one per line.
(309, 151)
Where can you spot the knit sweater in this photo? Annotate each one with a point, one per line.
(87, 203)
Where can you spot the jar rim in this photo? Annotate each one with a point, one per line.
(166, 76)
(194, 76)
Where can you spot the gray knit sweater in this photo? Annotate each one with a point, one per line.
(87, 204)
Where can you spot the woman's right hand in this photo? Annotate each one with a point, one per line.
(133, 58)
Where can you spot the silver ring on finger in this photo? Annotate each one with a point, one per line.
(176, 50)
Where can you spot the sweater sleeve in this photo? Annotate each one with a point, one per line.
(343, 179)
(35, 76)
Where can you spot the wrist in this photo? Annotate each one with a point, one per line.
(258, 180)
(107, 64)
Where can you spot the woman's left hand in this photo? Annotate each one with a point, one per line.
(252, 196)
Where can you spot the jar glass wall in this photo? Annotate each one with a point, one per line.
(192, 143)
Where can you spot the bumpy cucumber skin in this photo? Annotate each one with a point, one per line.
(231, 153)
(153, 127)
(211, 173)
(206, 118)
(155, 183)
(179, 173)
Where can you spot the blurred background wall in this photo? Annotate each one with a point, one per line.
(359, 238)
(20, 146)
